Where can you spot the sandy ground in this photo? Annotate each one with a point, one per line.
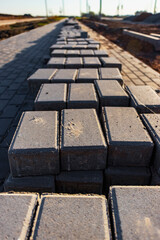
(13, 21)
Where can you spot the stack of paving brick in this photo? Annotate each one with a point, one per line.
(85, 134)
(132, 214)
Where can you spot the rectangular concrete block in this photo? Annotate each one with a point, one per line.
(82, 217)
(129, 144)
(111, 62)
(135, 212)
(59, 53)
(64, 76)
(55, 46)
(80, 182)
(144, 99)
(56, 62)
(91, 62)
(93, 46)
(41, 76)
(38, 184)
(80, 46)
(82, 95)
(83, 146)
(100, 53)
(73, 62)
(111, 93)
(87, 53)
(152, 123)
(30, 153)
(73, 53)
(127, 176)
(51, 97)
(87, 75)
(111, 74)
(16, 215)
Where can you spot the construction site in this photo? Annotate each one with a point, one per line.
(80, 124)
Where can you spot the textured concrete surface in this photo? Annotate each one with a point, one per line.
(73, 53)
(51, 97)
(40, 76)
(75, 62)
(38, 184)
(111, 62)
(111, 93)
(82, 95)
(83, 145)
(65, 76)
(31, 153)
(87, 75)
(87, 53)
(151, 121)
(72, 217)
(16, 215)
(58, 53)
(56, 62)
(129, 143)
(144, 99)
(100, 53)
(91, 62)
(80, 182)
(111, 74)
(135, 212)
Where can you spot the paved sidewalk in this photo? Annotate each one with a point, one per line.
(20, 56)
(134, 71)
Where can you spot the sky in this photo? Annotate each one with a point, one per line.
(74, 7)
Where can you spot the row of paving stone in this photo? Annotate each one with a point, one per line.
(75, 142)
(130, 213)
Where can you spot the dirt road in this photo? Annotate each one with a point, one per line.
(13, 21)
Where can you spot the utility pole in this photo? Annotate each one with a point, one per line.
(86, 6)
(80, 7)
(155, 6)
(46, 8)
(100, 8)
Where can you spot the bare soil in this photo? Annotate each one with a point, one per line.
(140, 49)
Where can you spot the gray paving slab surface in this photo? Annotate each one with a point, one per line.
(82, 95)
(65, 76)
(87, 53)
(125, 133)
(56, 62)
(87, 75)
(16, 215)
(83, 146)
(72, 217)
(111, 93)
(74, 62)
(144, 99)
(31, 153)
(58, 53)
(91, 62)
(110, 74)
(111, 62)
(135, 212)
(51, 97)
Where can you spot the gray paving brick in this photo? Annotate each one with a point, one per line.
(127, 176)
(91, 62)
(65, 76)
(16, 215)
(73, 62)
(3, 103)
(144, 99)
(30, 153)
(135, 212)
(10, 111)
(51, 97)
(58, 53)
(82, 95)
(56, 62)
(55, 46)
(100, 53)
(17, 99)
(111, 74)
(80, 182)
(38, 184)
(93, 46)
(83, 146)
(125, 133)
(111, 93)
(87, 53)
(73, 53)
(4, 123)
(40, 76)
(80, 47)
(151, 121)
(111, 62)
(87, 75)
(86, 213)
